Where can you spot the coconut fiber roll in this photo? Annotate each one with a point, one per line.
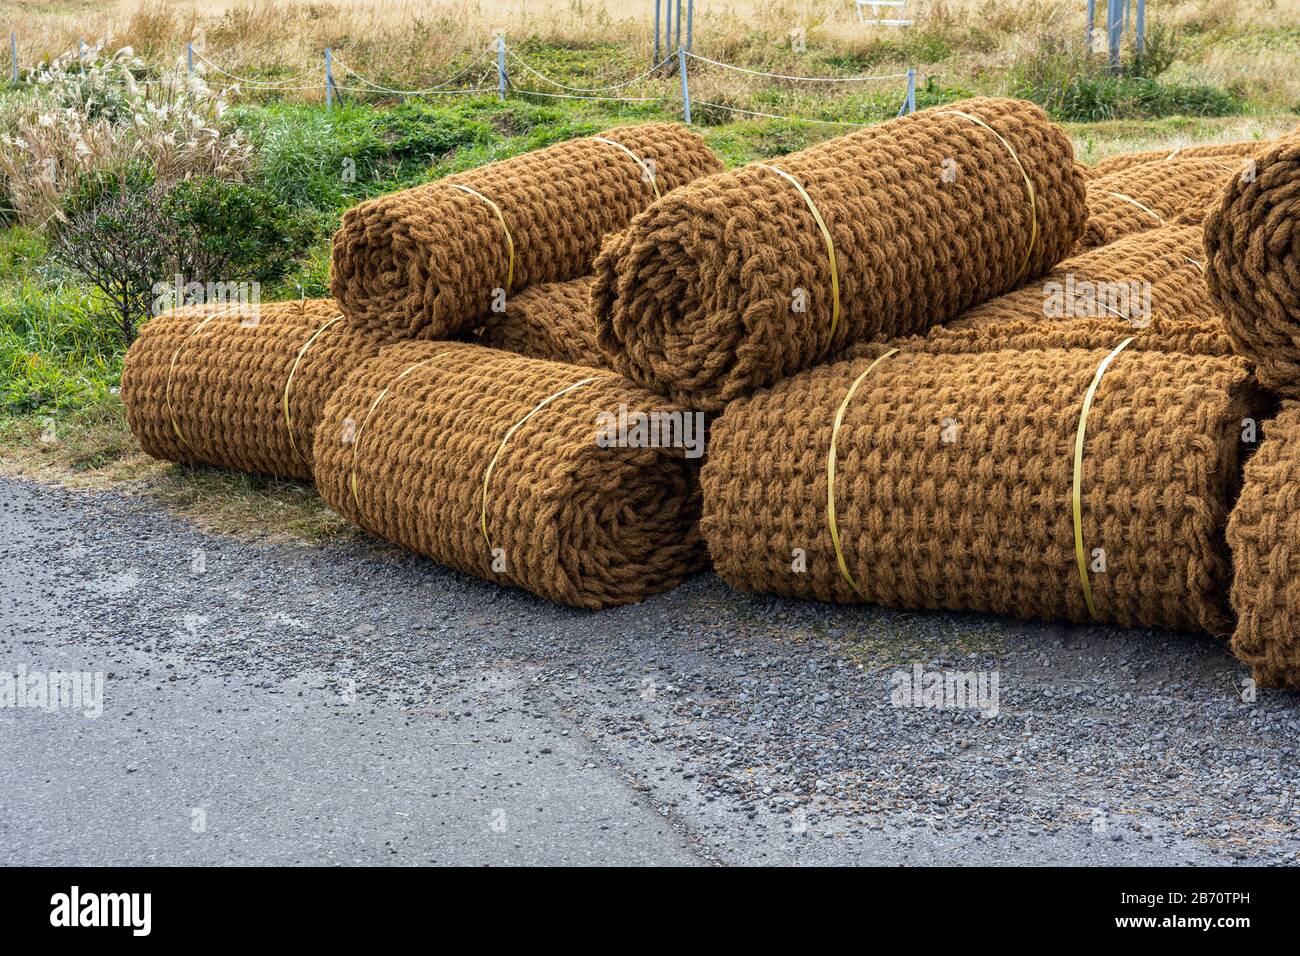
(491, 463)
(432, 261)
(1150, 286)
(240, 389)
(1252, 250)
(743, 278)
(551, 321)
(1221, 151)
(947, 481)
(1145, 197)
(1264, 535)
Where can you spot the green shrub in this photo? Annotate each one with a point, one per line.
(1074, 86)
(246, 227)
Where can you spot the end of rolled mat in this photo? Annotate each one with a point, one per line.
(742, 278)
(923, 480)
(1252, 244)
(436, 260)
(552, 321)
(1264, 538)
(239, 388)
(508, 468)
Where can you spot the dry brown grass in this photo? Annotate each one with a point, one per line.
(1247, 45)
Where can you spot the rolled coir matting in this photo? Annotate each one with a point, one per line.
(239, 388)
(1264, 536)
(492, 463)
(1252, 251)
(743, 278)
(947, 481)
(1149, 286)
(1146, 197)
(432, 261)
(1223, 151)
(551, 321)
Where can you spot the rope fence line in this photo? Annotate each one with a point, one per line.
(439, 88)
(802, 79)
(361, 85)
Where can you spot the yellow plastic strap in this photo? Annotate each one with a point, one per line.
(1029, 188)
(826, 235)
(510, 242)
(830, 473)
(645, 168)
(1129, 199)
(288, 383)
(167, 391)
(487, 475)
(356, 438)
(1078, 477)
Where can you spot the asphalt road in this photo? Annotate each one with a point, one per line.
(291, 703)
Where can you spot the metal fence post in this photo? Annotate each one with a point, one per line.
(1092, 24)
(501, 67)
(677, 30)
(329, 79)
(189, 57)
(658, 20)
(1141, 27)
(690, 23)
(1114, 29)
(911, 90)
(686, 90)
(81, 56)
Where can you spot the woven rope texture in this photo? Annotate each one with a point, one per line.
(953, 485)
(1225, 151)
(728, 284)
(551, 321)
(1149, 286)
(448, 463)
(426, 262)
(1252, 251)
(205, 387)
(1264, 535)
(1147, 196)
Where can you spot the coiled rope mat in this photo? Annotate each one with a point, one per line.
(743, 278)
(1228, 151)
(1149, 286)
(238, 389)
(954, 484)
(1148, 196)
(551, 321)
(1264, 535)
(1252, 250)
(426, 262)
(473, 456)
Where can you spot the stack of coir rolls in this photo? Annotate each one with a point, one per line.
(243, 385)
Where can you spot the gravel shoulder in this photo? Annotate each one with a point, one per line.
(292, 702)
